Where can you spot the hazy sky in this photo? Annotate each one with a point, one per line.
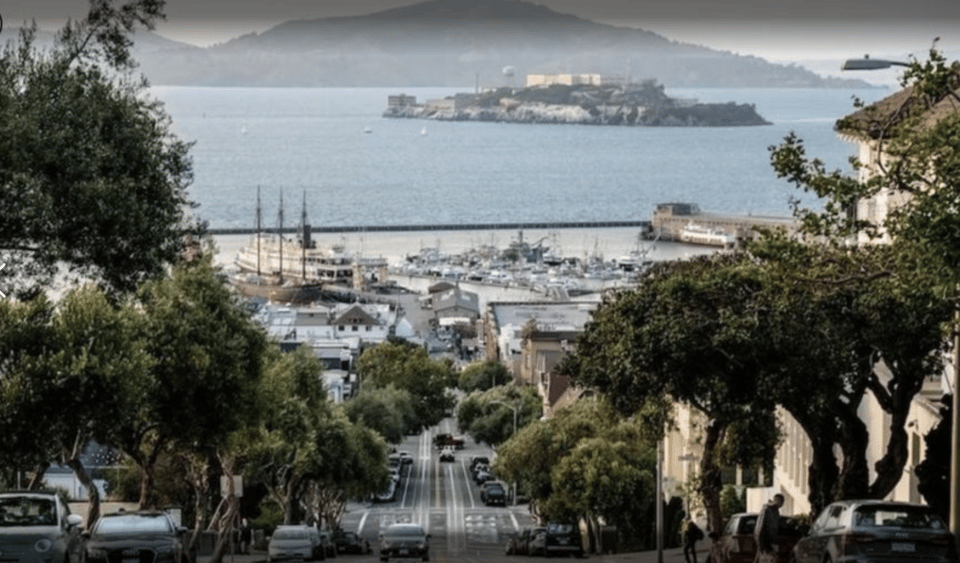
(777, 30)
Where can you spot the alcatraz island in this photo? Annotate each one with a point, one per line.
(583, 99)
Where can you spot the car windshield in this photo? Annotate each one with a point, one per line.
(28, 511)
(405, 532)
(897, 517)
(132, 523)
(290, 535)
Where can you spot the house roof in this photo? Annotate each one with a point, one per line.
(878, 119)
(457, 298)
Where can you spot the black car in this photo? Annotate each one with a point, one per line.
(563, 538)
(494, 493)
(404, 541)
(350, 542)
(141, 536)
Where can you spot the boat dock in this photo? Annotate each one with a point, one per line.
(684, 222)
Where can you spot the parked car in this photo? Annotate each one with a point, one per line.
(482, 477)
(519, 544)
(351, 542)
(388, 493)
(876, 530)
(446, 454)
(405, 458)
(493, 493)
(295, 542)
(404, 541)
(139, 536)
(37, 527)
(735, 544)
(563, 538)
(478, 459)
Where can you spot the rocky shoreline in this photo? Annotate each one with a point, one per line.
(643, 105)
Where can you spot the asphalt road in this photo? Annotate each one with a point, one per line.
(443, 498)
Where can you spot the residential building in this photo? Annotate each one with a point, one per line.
(545, 80)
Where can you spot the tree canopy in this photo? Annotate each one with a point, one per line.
(93, 181)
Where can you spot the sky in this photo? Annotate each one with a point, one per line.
(815, 33)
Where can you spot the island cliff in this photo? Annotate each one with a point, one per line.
(640, 104)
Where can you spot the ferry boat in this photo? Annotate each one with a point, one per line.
(693, 233)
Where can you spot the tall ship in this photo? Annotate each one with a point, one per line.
(281, 269)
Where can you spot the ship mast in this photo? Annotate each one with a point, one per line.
(258, 234)
(280, 233)
(304, 238)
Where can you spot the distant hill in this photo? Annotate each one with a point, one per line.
(457, 43)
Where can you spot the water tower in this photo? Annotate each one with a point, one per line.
(508, 72)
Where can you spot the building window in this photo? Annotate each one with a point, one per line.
(342, 328)
(355, 328)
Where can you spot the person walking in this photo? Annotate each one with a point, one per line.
(246, 535)
(766, 530)
(691, 536)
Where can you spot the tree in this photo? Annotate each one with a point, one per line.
(91, 177)
(588, 463)
(913, 153)
(387, 410)
(698, 332)
(489, 417)
(207, 364)
(409, 367)
(90, 369)
(483, 375)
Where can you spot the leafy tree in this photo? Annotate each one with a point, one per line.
(207, 364)
(91, 177)
(90, 369)
(585, 462)
(409, 367)
(489, 416)
(483, 375)
(696, 331)
(915, 148)
(387, 410)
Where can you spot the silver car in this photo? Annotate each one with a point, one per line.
(876, 531)
(295, 542)
(37, 527)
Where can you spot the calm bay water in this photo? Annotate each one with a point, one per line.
(311, 143)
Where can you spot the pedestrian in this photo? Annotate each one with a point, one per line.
(246, 534)
(766, 530)
(691, 536)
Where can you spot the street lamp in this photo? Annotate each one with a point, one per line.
(515, 409)
(866, 63)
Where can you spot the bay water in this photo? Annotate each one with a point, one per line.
(331, 148)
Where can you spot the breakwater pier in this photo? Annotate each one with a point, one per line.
(643, 225)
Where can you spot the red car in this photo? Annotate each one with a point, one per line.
(736, 544)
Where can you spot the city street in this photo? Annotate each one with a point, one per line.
(443, 498)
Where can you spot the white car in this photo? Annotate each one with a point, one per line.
(295, 542)
(37, 527)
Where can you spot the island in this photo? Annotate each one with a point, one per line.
(643, 104)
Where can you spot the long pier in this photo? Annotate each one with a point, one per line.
(645, 225)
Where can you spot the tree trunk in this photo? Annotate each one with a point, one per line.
(37, 479)
(711, 477)
(93, 494)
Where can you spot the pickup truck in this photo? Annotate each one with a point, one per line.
(444, 440)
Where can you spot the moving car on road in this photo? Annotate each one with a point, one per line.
(875, 530)
(37, 527)
(404, 541)
(446, 455)
(141, 536)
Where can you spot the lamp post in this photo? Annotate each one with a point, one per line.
(866, 63)
(513, 495)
